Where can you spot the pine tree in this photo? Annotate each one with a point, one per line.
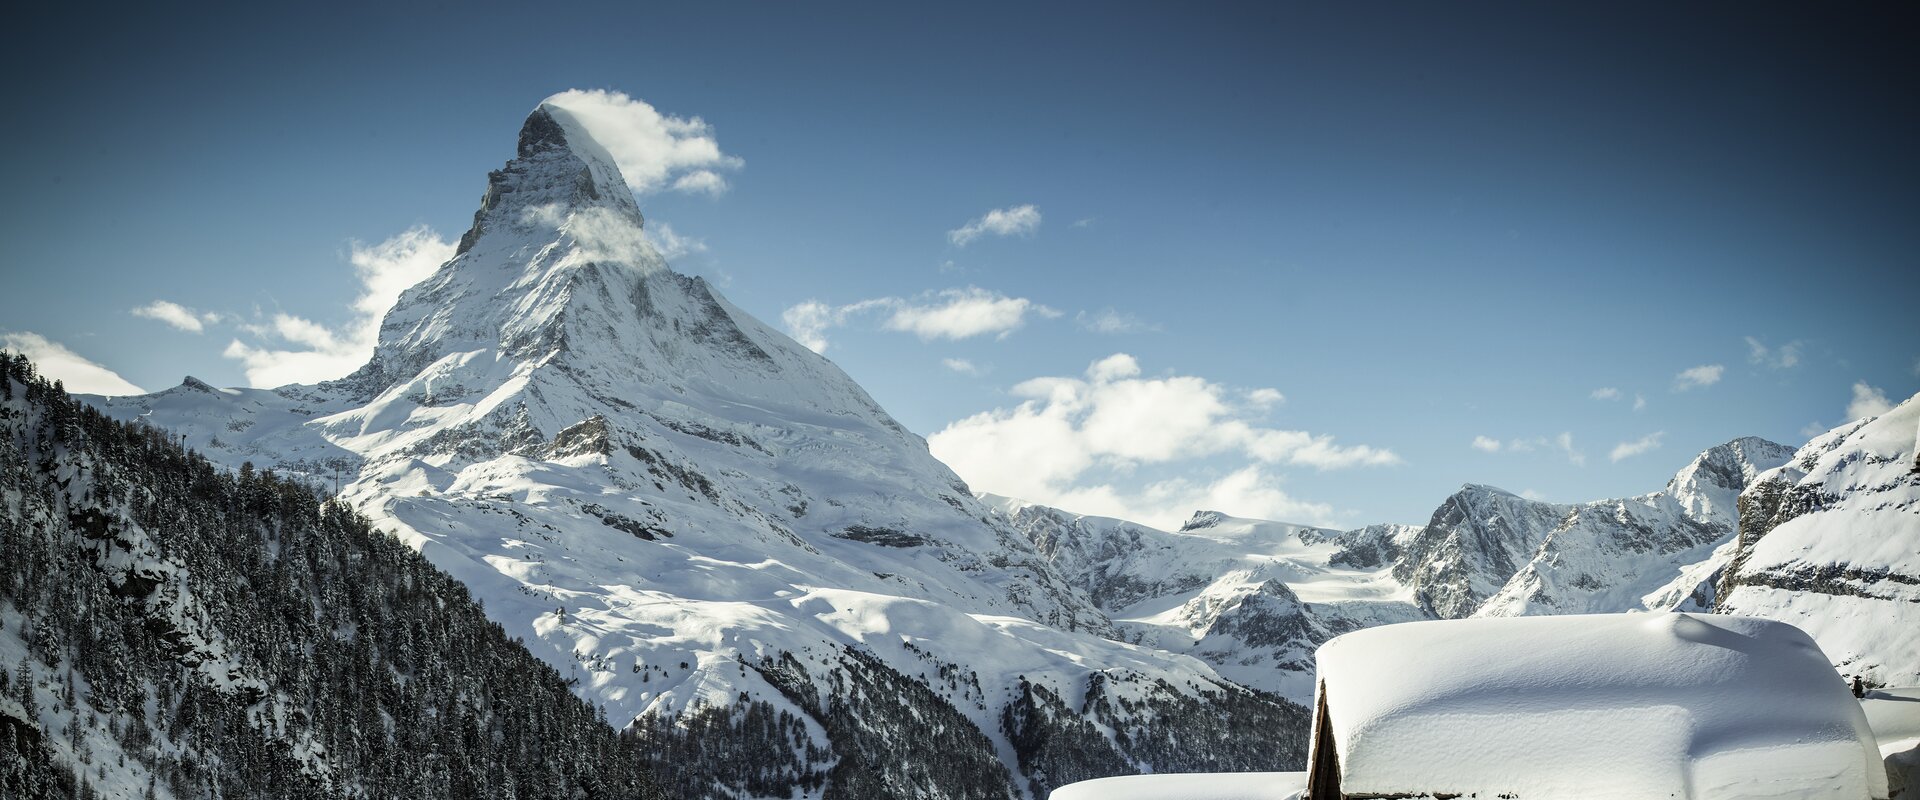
(23, 683)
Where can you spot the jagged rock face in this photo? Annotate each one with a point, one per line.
(1831, 542)
(1111, 560)
(654, 489)
(1478, 538)
(1644, 552)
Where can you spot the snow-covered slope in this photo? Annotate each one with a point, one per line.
(1831, 542)
(683, 509)
(1253, 598)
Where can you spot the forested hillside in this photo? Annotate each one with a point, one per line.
(172, 629)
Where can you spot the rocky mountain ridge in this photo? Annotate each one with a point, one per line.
(1254, 598)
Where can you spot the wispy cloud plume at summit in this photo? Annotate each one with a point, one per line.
(655, 151)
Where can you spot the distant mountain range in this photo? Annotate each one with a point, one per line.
(720, 539)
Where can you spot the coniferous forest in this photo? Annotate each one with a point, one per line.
(172, 629)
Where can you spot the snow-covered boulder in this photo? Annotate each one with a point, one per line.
(1591, 706)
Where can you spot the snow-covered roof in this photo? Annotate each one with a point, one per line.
(1188, 786)
(1603, 705)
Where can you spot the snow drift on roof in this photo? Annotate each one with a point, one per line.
(1605, 705)
(1189, 786)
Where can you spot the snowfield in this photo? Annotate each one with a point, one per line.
(1895, 717)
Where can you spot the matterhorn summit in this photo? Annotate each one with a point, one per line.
(712, 530)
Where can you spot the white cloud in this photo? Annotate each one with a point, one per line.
(1698, 377)
(176, 315)
(320, 352)
(1868, 401)
(1250, 491)
(704, 181)
(1013, 221)
(669, 243)
(964, 313)
(1108, 320)
(1265, 398)
(962, 366)
(1606, 393)
(807, 323)
(1785, 356)
(1636, 447)
(1639, 401)
(74, 371)
(1085, 222)
(654, 151)
(394, 266)
(947, 314)
(605, 236)
(1561, 443)
(1112, 368)
(1534, 495)
(1814, 428)
(1068, 431)
(1564, 443)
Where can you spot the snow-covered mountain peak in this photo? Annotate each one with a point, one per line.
(557, 280)
(559, 170)
(1202, 520)
(1708, 486)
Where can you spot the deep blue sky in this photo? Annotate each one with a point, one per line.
(1421, 223)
